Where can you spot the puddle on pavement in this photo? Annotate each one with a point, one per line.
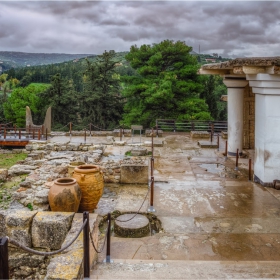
(215, 168)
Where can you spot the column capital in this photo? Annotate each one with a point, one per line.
(264, 83)
(235, 83)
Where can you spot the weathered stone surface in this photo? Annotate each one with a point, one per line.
(110, 140)
(3, 174)
(19, 169)
(134, 174)
(148, 133)
(49, 229)
(59, 267)
(3, 227)
(138, 151)
(200, 134)
(41, 197)
(18, 226)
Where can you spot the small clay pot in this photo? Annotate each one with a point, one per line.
(65, 195)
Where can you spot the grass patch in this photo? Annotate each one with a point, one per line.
(8, 160)
(128, 153)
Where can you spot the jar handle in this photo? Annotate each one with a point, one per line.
(83, 176)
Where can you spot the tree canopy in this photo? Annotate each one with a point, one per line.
(15, 106)
(166, 84)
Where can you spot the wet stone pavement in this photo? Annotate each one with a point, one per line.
(206, 215)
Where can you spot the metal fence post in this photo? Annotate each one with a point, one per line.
(4, 258)
(226, 151)
(85, 135)
(236, 163)
(108, 251)
(218, 142)
(151, 208)
(86, 245)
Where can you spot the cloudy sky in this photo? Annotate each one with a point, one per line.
(229, 28)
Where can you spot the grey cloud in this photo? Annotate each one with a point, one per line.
(233, 28)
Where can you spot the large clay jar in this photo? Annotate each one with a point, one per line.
(72, 165)
(90, 179)
(65, 195)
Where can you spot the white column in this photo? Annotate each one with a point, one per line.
(267, 127)
(235, 114)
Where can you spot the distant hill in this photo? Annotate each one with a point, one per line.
(10, 60)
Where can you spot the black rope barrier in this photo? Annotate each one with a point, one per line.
(47, 253)
(137, 211)
(92, 242)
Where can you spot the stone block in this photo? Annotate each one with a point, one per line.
(148, 133)
(3, 174)
(138, 151)
(66, 266)
(3, 227)
(18, 226)
(224, 134)
(134, 174)
(49, 229)
(200, 134)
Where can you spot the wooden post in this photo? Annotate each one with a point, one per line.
(4, 258)
(33, 133)
(39, 134)
(236, 163)
(250, 169)
(218, 142)
(46, 134)
(42, 132)
(5, 132)
(108, 249)
(86, 245)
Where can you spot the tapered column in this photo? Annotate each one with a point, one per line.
(235, 95)
(267, 127)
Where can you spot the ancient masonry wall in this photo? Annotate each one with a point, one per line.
(249, 119)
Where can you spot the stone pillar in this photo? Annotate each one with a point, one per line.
(235, 113)
(267, 127)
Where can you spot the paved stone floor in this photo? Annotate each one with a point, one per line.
(216, 223)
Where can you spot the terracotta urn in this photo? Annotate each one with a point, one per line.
(72, 165)
(65, 195)
(90, 179)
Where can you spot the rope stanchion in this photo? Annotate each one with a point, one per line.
(226, 150)
(108, 250)
(151, 208)
(4, 258)
(86, 244)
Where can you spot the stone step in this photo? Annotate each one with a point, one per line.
(150, 269)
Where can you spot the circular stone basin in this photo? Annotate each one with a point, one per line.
(137, 227)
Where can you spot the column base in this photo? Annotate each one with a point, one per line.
(265, 184)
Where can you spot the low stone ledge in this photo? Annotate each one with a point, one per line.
(224, 134)
(66, 266)
(148, 133)
(200, 134)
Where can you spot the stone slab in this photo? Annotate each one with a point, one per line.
(134, 174)
(207, 144)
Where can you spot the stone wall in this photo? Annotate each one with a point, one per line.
(46, 231)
